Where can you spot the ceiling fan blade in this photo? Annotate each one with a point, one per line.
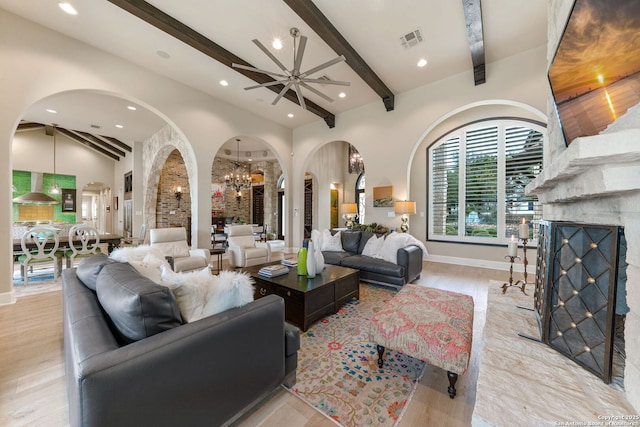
(300, 97)
(258, 70)
(299, 53)
(323, 66)
(273, 83)
(270, 55)
(327, 82)
(317, 92)
(282, 92)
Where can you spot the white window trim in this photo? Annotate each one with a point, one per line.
(461, 131)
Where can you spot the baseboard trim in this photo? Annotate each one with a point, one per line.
(483, 263)
(7, 298)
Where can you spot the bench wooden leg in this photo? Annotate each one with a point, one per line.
(453, 377)
(380, 349)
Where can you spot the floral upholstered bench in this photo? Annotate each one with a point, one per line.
(432, 325)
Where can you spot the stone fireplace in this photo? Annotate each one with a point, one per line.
(596, 180)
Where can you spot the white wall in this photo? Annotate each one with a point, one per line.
(393, 144)
(43, 63)
(33, 151)
(327, 167)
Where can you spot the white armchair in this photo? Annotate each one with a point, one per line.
(172, 242)
(243, 249)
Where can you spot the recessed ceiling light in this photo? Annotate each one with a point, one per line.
(119, 126)
(422, 62)
(224, 83)
(342, 94)
(49, 110)
(290, 115)
(277, 44)
(162, 54)
(131, 107)
(67, 8)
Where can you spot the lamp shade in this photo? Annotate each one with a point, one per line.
(405, 207)
(349, 208)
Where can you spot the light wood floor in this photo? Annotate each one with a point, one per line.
(32, 389)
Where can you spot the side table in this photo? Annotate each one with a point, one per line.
(218, 252)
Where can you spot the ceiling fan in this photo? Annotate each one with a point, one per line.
(294, 78)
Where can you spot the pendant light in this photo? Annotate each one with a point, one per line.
(54, 188)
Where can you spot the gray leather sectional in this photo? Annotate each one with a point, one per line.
(142, 366)
(376, 270)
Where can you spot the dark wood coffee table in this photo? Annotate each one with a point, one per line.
(307, 300)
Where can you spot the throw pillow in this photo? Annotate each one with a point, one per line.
(413, 241)
(392, 243)
(134, 253)
(150, 266)
(201, 294)
(331, 243)
(190, 289)
(232, 290)
(90, 267)
(351, 241)
(373, 247)
(137, 307)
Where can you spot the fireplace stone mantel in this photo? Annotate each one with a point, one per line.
(596, 180)
(598, 166)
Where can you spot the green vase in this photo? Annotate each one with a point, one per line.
(302, 261)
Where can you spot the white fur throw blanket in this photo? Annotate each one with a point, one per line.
(198, 293)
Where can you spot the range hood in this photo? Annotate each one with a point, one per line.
(36, 196)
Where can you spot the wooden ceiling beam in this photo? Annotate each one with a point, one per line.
(74, 136)
(94, 139)
(24, 126)
(160, 20)
(116, 142)
(475, 36)
(310, 14)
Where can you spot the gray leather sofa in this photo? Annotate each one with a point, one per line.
(375, 270)
(203, 373)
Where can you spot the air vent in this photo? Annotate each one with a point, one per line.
(96, 126)
(324, 77)
(411, 39)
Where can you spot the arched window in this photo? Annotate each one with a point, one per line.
(477, 178)
(360, 198)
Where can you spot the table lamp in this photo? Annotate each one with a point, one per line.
(406, 208)
(348, 211)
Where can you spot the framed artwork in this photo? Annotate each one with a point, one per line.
(595, 71)
(383, 197)
(68, 202)
(334, 208)
(217, 197)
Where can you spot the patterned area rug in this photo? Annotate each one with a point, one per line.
(338, 370)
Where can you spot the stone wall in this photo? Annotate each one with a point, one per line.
(271, 171)
(232, 207)
(596, 180)
(169, 211)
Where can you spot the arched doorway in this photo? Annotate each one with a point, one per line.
(96, 207)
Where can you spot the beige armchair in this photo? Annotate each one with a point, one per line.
(172, 242)
(243, 249)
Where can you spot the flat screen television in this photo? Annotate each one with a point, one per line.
(595, 72)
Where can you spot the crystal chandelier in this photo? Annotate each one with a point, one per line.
(238, 180)
(356, 165)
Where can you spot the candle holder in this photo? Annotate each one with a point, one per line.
(521, 284)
